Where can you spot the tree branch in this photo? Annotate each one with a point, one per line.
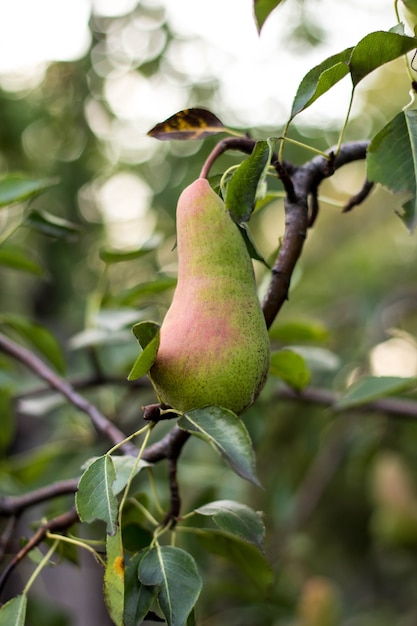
(305, 182)
(36, 365)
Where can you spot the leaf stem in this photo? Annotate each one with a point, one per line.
(345, 123)
(78, 543)
(40, 567)
(148, 430)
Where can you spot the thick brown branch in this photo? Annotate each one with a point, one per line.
(305, 182)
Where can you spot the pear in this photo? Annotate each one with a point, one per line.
(214, 345)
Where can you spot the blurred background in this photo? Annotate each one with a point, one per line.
(81, 83)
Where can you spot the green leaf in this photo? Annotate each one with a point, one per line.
(320, 79)
(291, 368)
(17, 187)
(51, 225)
(392, 161)
(14, 257)
(376, 49)
(147, 334)
(131, 297)
(248, 560)
(176, 574)
(37, 336)
(262, 9)
(188, 124)
(236, 519)
(227, 434)
(243, 188)
(123, 466)
(299, 331)
(95, 498)
(250, 245)
(13, 613)
(114, 578)
(118, 256)
(372, 388)
(138, 598)
(8, 426)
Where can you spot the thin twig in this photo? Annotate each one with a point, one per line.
(14, 505)
(62, 522)
(36, 365)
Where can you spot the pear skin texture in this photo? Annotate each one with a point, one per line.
(214, 345)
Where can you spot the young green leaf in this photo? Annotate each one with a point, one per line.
(13, 613)
(236, 519)
(38, 336)
(299, 331)
(118, 256)
(124, 466)
(138, 598)
(392, 161)
(188, 124)
(242, 189)
(262, 10)
(17, 187)
(227, 434)
(114, 577)
(175, 573)
(372, 388)
(376, 49)
(95, 498)
(51, 225)
(14, 257)
(131, 297)
(291, 368)
(147, 334)
(320, 79)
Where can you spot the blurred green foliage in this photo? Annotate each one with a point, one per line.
(340, 491)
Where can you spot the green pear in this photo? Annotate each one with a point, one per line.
(214, 345)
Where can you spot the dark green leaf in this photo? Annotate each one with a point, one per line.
(17, 187)
(13, 613)
(262, 9)
(227, 434)
(14, 257)
(188, 124)
(95, 498)
(51, 225)
(138, 598)
(392, 161)
(372, 388)
(243, 188)
(147, 334)
(320, 79)
(38, 336)
(7, 429)
(291, 368)
(250, 245)
(376, 49)
(114, 578)
(245, 556)
(176, 574)
(236, 519)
